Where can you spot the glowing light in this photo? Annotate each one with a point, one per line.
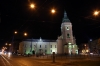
(53, 11)
(53, 50)
(6, 44)
(9, 54)
(90, 39)
(40, 39)
(87, 50)
(9, 44)
(84, 44)
(15, 32)
(25, 34)
(32, 5)
(5, 53)
(96, 13)
(69, 43)
(0, 52)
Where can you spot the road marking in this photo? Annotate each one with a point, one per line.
(7, 61)
(3, 62)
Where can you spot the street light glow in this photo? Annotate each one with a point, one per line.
(25, 34)
(32, 5)
(9, 44)
(53, 11)
(96, 13)
(6, 44)
(15, 32)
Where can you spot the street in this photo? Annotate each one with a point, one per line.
(15, 60)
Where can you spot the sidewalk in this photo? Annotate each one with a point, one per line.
(49, 61)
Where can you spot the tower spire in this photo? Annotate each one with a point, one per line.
(65, 18)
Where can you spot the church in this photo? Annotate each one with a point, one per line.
(65, 44)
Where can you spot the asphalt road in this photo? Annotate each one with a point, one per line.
(7, 61)
(21, 61)
(15, 60)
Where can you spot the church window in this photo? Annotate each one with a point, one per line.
(40, 46)
(51, 50)
(55, 46)
(45, 50)
(68, 36)
(67, 28)
(51, 46)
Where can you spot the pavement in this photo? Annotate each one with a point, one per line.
(48, 61)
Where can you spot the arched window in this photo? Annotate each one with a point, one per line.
(68, 36)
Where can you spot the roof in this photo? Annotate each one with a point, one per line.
(37, 40)
(65, 18)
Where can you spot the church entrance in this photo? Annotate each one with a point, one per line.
(65, 49)
(40, 51)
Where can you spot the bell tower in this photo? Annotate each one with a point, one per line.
(67, 34)
(66, 42)
(66, 30)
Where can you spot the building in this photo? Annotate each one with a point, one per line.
(84, 49)
(94, 46)
(65, 44)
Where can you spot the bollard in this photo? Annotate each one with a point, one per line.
(53, 57)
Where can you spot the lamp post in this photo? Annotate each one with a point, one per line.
(15, 33)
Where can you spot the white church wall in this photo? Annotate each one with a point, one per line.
(59, 46)
(36, 46)
(21, 48)
(53, 47)
(65, 38)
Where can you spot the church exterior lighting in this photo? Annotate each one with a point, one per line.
(65, 44)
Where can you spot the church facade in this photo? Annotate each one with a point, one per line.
(65, 44)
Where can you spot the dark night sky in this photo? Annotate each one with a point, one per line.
(39, 22)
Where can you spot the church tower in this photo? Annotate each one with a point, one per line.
(66, 30)
(66, 42)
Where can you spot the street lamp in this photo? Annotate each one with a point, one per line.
(15, 32)
(32, 6)
(96, 13)
(25, 34)
(6, 44)
(53, 11)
